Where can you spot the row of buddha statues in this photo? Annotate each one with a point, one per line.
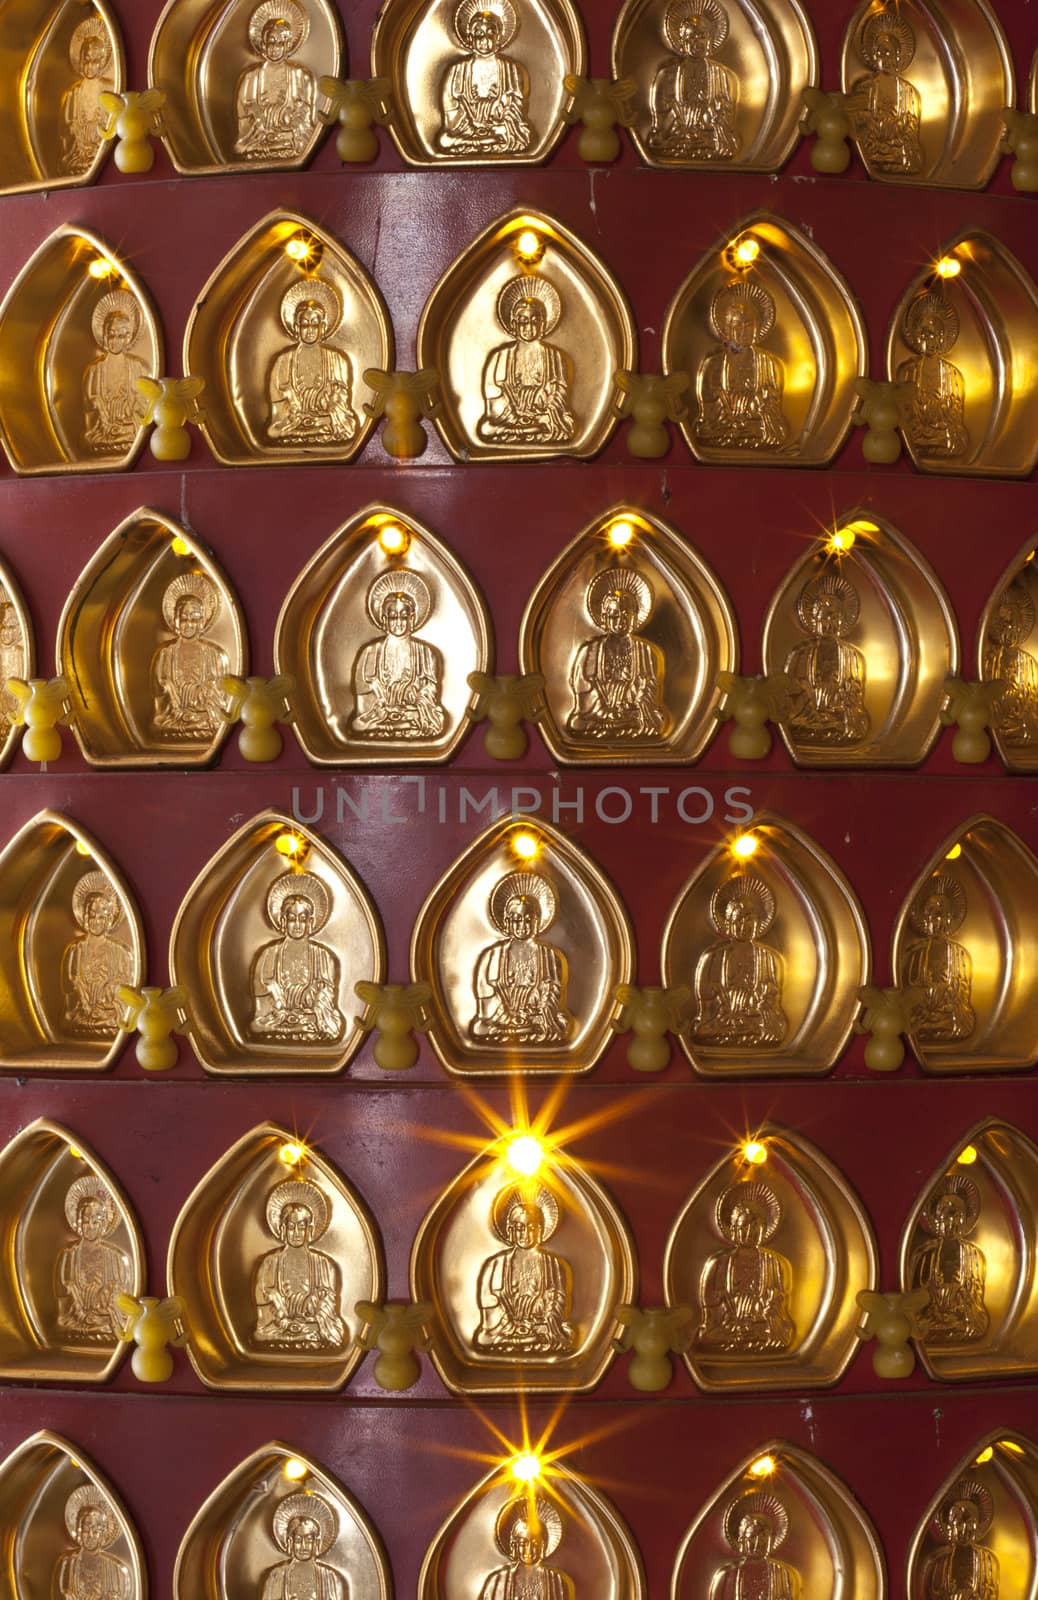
(526, 351)
(701, 84)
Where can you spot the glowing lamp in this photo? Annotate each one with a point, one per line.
(744, 252)
(954, 853)
(181, 547)
(948, 267)
(294, 1469)
(393, 539)
(292, 1154)
(101, 267)
(620, 534)
(754, 1152)
(525, 1155)
(745, 846)
(290, 845)
(966, 1157)
(299, 248)
(82, 849)
(985, 1456)
(529, 247)
(763, 1467)
(526, 1468)
(840, 542)
(525, 846)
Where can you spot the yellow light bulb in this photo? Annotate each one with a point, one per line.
(954, 853)
(294, 1469)
(754, 1152)
(620, 534)
(181, 547)
(393, 539)
(529, 247)
(968, 1156)
(841, 541)
(525, 1155)
(746, 845)
(1011, 1444)
(525, 846)
(948, 267)
(83, 849)
(745, 251)
(292, 1154)
(763, 1467)
(985, 1455)
(100, 267)
(526, 1468)
(291, 845)
(298, 248)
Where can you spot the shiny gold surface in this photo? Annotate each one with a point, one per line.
(63, 1529)
(477, 85)
(927, 85)
(282, 333)
(270, 1254)
(782, 1521)
(77, 329)
(146, 635)
(981, 1530)
(770, 1255)
(70, 1244)
(866, 637)
(964, 346)
(629, 638)
(719, 85)
(1006, 655)
(771, 345)
(970, 1242)
(965, 947)
(240, 81)
(774, 948)
(527, 351)
(381, 643)
(70, 934)
(523, 955)
(17, 656)
(268, 946)
(244, 1537)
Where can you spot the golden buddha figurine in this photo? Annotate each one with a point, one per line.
(883, 105)
(826, 702)
(935, 413)
(527, 382)
(527, 1532)
(520, 981)
(745, 1291)
(937, 968)
(297, 1290)
(1006, 662)
(311, 383)
(950, 1267)
(112, 404)
(740, 386)
(12, 658)
(295, 979)
(617, 677)
(83, 117)
(276, 101)
(89, 1572)
(90, 1272)
(524, 1291)
(186, 671)
(398, 678)
(95, 963)
(485, 94)
(755, 1526)
(963, 1568)
(738, 982)
(304, 1526)
(694, 98)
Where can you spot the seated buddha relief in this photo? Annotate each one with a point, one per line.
(963, 1567)
(398, 677)
(524, 1291)
(297, 1290)
(738, 980)
(484, 95)
(276, 99)
(950, 1266)
(527, 1532)
(756, 1525)
(112, 406)
(617, 676)
(95, 962)
(310, 388)
(91, 1272)
(187, 668)
(694, 97)
(1012, 667)
(745, 1289)
(740, 385)
(89, 1571)
(826, 703)
(884, 104)
(305, 1527)
(295, 979)
(520, 980)
(935, 421)
(83, 117)
(936, 967)
(527, 383)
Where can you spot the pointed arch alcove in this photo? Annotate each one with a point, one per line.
(983, 1523)
(287, 287)
(17, 656)
(768, 290)
(1007, 654)
(229, 949)
(526, 271)
(629, 573)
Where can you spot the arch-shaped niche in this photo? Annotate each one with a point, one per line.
(77, 329)
(70, 936)
(944, 66)
(586, 1546)
(240, 1536)
(962, 342)
(230, 942)
(286, 291)
(815, 1532)
(629, 573)
(761, 56)
(787, 906)
(240, 81)
(47, 1488)
(428, 50)
(792, 1231)
(965, 950)
(970, 1241)
(70, 1243)
(1007, 654)
(147, 634)
(357, 702)
(526, 271)
(983, 1523)
(768, 293)
(17, 657)
(866, 636)
(510, 879)
(268, 1193)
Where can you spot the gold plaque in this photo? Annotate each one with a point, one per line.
(720, 82)
(771, 339)
(527, 330)
(770, 1251)
(70, 1245)
(70, 937)
(965, 951)
(865, 635)
(962, 342)
(283, 333)
(278, 1520)
(1007, 654)
(980, 1533)
(523, 941)
(381, 631)
(145, 639)
(782, 1524)
(269, 1255)
(240, 81)
(17, 657)
(629, 628)
(268, 943)
(927, 85)
(58, 59)
(63, 1529)
(770, 938)
(969, 1242)
(477, 84)
(77, 330)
